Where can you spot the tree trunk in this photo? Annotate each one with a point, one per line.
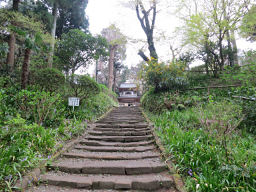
(230, 50)
(53, 33)
(151, 47)
(173, 53)
(147, 26)
(25, 69)
(143, 56)
(15, 5)
(73, 74)
(114, 83)
(96, 70)
(221, 53)
(12, 41)
(207, 54)
(111, 67)
(235, 54)
(11, 53)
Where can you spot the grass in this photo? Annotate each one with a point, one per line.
(23, 145)
(211, 156)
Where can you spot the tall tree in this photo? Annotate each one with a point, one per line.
(77, 49)
(53, 31)
(115, 39)
(119, 57)
(248, 26)
(66, 15)
(15, 5)
(147, 22)
(12, 41)
(72, 16)
(217, 19)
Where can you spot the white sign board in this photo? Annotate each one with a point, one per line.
(73, 101)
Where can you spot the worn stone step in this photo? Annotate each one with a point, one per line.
(111, 155)
(150, 182)
(120, 138)
(115, 144)
(123, 118)
(119, 167)
(120, 129)
(117, 153)
(140, 125)
(115, 149)
(120, 133)
(44, 187)
(121, 121)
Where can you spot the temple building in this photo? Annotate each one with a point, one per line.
(128, 94)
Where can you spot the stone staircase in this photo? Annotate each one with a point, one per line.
(117, 154)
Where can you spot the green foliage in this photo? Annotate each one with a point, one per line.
(153, 102)
(22, 146)
(210, 158)
(41, 107)
(106, 90)
(92, 107)
(249, 110)
(164, 77)
(37, 10)
(114, 36)
(247, 27)
(83, 86)
(28, 138)
(3, 51)
(195, 30)
(71, 128)
(18, 23)
(49, 79)
(72, 15)
(77, 48)
(168, 101)
(243, 74)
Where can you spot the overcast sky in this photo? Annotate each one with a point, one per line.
(102, 13)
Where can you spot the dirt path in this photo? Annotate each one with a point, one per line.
(117, 154)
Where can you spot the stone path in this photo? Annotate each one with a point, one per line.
(117, 154)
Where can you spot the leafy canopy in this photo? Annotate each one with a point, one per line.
(76, 49)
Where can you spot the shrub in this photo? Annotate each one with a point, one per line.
(83, 86)
(198, 150)
(92, 107)
(41, 107)
(159, 102)
(164, 77)
(49, 79)
(153, 102)
(23, 147)
(106, 90)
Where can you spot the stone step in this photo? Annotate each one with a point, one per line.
(117, 154)
(120, 133)
(115, 149)
(115, 144)
(140, 125)
(111, 156)
(119, 167)
(120, 129)
(121, 121)
(149, 182)
(120, 138)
